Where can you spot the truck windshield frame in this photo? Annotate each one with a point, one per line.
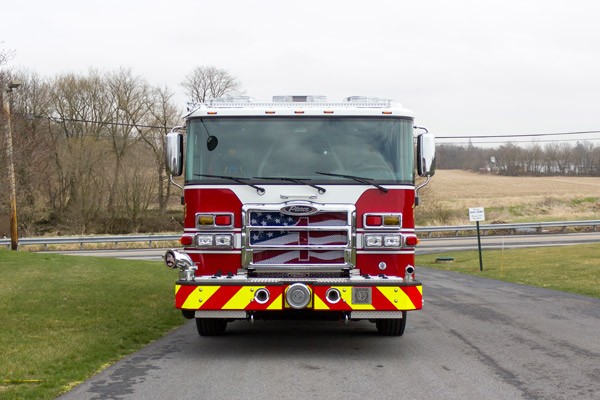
(377, 148)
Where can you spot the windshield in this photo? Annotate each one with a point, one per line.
(298, 147)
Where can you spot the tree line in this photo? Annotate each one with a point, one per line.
(89, 149)
(556, 158)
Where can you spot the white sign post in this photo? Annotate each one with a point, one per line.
(477, 214)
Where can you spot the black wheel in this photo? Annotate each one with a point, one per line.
(188, 314)
(391, 327)
(211, 326)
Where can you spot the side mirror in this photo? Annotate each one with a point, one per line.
(175, 153)
(426, 155)
(211, 143)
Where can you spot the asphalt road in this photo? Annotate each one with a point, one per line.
(475, 339)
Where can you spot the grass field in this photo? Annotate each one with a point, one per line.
(574, 269)
(508, 199)
(64, 318)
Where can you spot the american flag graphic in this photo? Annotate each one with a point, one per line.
(277, 239)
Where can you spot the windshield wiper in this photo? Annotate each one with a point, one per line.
(295, 180)
(366, 181)
(243, 181)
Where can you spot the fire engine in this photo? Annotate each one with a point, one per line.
(298, 208)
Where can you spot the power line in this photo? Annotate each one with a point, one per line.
(518, 135)
(521, 141)
(87, 121)
(471, 137)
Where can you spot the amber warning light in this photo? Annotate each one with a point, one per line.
(383, 220)
(208, 220)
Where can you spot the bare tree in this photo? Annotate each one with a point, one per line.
(6, 55)
(205, 83)
(81, 109)
(558, 158)
(582, 158)
(90, 148)
(31, 155)
(86, 159)
(129, 106)
(137, 188)
(533, 159)
(510, 160)
(162, 117)
(595, 161)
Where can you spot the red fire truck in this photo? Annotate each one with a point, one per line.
(298, 208)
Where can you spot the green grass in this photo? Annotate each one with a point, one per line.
(586, 200)
(63, 318)
(574, 269)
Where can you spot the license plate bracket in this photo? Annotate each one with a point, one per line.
(362, 295)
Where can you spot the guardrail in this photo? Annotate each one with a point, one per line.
(82, 240)
(522, 228)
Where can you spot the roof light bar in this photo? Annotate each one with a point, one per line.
(232, 99)
(299, 99)
(366, 99)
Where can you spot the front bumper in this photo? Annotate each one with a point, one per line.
(239, 296)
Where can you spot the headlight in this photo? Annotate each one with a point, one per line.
(391, 241)
(373, 241)
(224, 240)
(204, 240)
(383, 240)
(214, 241)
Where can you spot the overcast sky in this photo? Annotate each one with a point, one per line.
(463, 67)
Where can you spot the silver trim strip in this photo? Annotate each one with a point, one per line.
(220, 314)
(352, 281)
(380, 250)
(215, 251)
(376, 315)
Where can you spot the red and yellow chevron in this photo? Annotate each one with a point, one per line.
(384, 298)
(241, 297)
(228, 297)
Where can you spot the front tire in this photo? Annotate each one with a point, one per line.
(391, 327)
(211, 326)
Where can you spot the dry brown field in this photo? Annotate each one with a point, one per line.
(508, 199)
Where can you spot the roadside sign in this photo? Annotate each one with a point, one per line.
(476, 214)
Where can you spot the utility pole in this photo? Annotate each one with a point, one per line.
(14, 234)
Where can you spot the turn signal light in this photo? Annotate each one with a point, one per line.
(223, 220)
(373, 220)
(383, 220)
(206, 220)
(391, 220)
(411, 241)
(212, 220)
(186, 240)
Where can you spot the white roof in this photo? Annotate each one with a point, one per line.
(247, 107)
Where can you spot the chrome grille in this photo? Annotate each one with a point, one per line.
(279, 241)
